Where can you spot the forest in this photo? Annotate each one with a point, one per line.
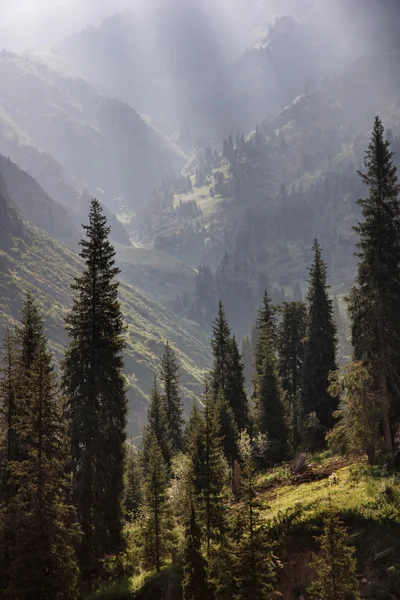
(199, 300)
(189, 512)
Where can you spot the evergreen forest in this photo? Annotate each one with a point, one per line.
(199, 300)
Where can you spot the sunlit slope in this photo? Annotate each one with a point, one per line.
(32, 260)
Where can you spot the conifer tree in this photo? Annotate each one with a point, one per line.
(335, 565)
(95, 387)
(157, 424)
(320, 350)
(291, 346)
(8, 446)
(247, 358)
(270, 409)
(195, 444)
(374, 300)
(268, 393)
(264, 337)
(235, 392)
(357, 427)
(209, 469)
(43, 521)
(221, 348)
(228, 430)
(195, 583)
(169, 376)
(29, 334)
(256, 564)
(157, 522)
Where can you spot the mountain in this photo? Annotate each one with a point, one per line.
(196, 67)
(31, 260)
(36, 206)
(257, 206)
(101, 144)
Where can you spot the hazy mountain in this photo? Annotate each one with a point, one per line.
(192, 68)
(100, 143)
(36, 206)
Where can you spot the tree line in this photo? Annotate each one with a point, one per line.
(71, 485)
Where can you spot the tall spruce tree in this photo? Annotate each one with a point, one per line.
(375, 298)
(21, 349)
(221, 348)
(195, 583)
(270, 409)
(209, 469)
(235, 392)
(264, 337)
(335, 565)
(320, 350)
(94, 384)
(228, 430)
(8, 447)
(268, 394)
(256, 564)
(41, 518)
(169, 376)
(29, 334)
(291, 347)
(157, 522)
(247, 358)
(157, 424)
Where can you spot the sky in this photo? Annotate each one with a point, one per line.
(26, 24)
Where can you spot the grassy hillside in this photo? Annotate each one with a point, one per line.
(367, 500)
(32, 260)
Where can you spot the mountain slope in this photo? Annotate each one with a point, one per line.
(32, 260)
(36, 206)
(100, 143)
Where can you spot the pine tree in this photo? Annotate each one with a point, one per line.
(335, 565)
(228, 430)
(195, 584)
(247, 358)
(270, 409)
(169, 376)
(221, 348)
(320, 350)
(157, 424)
(264, 337)
(374, 300)
(94, 384)
(209, 469)
(291, 346)
(29, 334)
(42, 558)
(195, 444)
(157, 521)
(8, 446)
(235, 392)
(256, 564)
(357, 427)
